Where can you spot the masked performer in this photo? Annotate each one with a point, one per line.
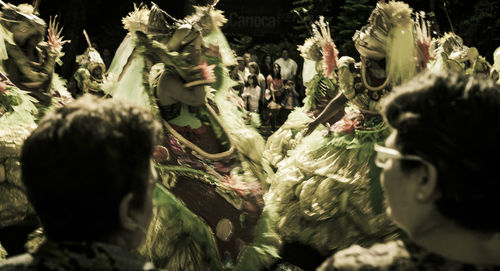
(451, 54)
(29, 60)
(327, 192)
(28, 86)
(17, 119)
(90, 76)
(320, 61)
(209, 208)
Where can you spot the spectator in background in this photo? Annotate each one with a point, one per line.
(275, 82)
(267, 66)
(88, 173)
(440, 184)
(243, 70)
(251, 94)
(261, 80)
(289, 100)
(288, 65)
(236, 76)
(247, 57)
(255, 70)
(272, 98)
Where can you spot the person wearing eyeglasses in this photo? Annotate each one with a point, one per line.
(438, 178)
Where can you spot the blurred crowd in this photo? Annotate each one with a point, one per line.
(270, 88)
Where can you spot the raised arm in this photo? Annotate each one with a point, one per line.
(334, 107)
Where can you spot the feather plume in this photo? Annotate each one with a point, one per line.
(137, 20)
(423, 39)
(320, 47)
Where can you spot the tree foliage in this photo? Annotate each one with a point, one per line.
(352, 16)
(475, 21)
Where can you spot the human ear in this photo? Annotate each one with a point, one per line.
(125, 212)
(427, 187)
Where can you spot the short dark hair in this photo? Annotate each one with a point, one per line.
(453, 122)
(82, 160)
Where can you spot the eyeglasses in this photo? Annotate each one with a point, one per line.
(384, 155)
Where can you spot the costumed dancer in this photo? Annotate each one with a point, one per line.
(327, 192)
(209, 212)
(451, 54)
(495, 69)
(27, 59)
(320, 62)
(91, 74)
(28, 87)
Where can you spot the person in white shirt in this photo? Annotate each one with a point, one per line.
(243, 71)
(288, 65)
(251, 94)
(261, 80)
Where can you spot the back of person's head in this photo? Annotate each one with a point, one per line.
(81, 162)
(453, 122)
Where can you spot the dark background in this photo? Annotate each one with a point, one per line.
(265, 26)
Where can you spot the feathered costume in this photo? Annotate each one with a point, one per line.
(495, 69)
(327, 192)
(28, 87)
(320, 61)
(209, 212)
(91, 74)
(451, 54)
(3, 253)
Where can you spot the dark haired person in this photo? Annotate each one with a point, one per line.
(266, 67)
(272, 95)
(251, 94)
(440, 183)
(88, 173)
(288, 65)
(254, 69)
(289, 100)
